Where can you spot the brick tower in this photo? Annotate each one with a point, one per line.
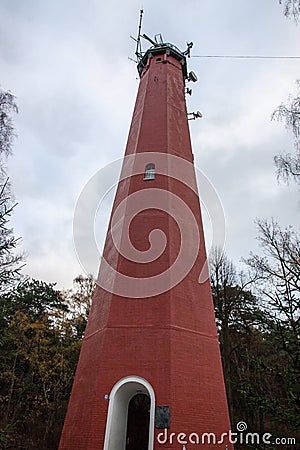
(149, 374)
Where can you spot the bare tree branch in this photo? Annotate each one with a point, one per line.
(278, 270)
(288, 165)
(291, 9)
(7, 133)
(10, 263)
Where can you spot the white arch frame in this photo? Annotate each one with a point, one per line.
(119, 398)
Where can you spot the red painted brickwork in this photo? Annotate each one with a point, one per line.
(169, 339)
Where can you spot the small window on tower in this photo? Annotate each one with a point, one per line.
(149, 172)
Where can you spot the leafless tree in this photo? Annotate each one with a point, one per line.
(291, 8)
(7, 107)
(288, 165)
(10, 263)
(278, 283)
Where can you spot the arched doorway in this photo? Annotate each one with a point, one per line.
(137, 436)
(131, 402)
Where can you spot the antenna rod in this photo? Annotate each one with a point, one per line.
(150, 40)
(138, 41)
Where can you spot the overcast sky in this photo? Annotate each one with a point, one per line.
(67, 63)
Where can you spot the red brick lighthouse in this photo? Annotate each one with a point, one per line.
(149, 375)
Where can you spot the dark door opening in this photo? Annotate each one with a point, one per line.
(137, 436)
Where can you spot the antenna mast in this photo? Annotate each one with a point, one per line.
(138, 50)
